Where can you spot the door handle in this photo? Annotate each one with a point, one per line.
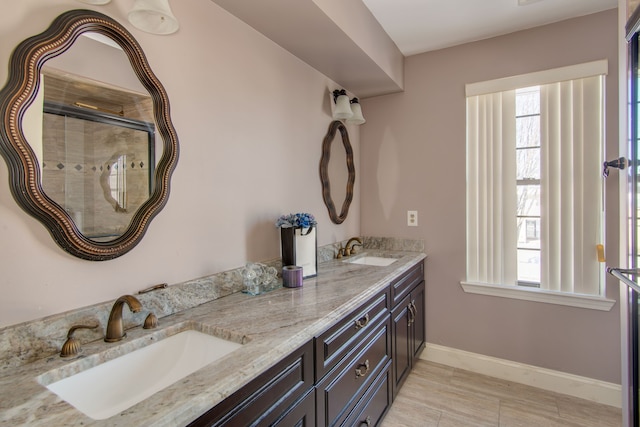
(619, 273)
(412, 313)
(619, 163)
(415, 310)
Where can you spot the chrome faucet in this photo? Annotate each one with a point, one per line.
(115, 329)
(347, 251)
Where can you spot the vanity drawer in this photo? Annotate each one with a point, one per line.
(401, 286)
(341, 338)
(374, 404)
(342, 388)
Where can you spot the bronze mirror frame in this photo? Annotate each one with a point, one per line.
(18, 94)
(336, 125)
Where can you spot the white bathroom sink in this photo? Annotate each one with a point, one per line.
(110, 388)
(373, 260)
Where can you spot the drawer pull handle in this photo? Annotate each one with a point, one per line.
(362, 322)
(360, 372)
(366, 422)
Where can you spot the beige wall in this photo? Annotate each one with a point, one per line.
(413, 158)
(250, 118)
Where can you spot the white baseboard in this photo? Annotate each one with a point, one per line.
(547, 379)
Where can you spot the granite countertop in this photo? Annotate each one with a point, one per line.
(270, 326)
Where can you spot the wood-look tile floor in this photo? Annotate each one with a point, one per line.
(437, 395)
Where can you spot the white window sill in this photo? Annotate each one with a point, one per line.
(539, 295)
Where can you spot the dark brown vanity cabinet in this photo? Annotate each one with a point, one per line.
(407, 323)
(282, 396)
(346, 376)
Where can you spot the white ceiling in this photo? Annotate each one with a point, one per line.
(418, 26)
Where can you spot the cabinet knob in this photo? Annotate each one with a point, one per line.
(366, 422)
(362, 322)
(362, 369)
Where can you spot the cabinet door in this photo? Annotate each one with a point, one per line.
(265, 399)
(303, 413)
(418, 324)
(401, 343)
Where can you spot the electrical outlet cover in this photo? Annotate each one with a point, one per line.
(412, 218)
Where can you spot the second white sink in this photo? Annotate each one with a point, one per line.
(110, 388)
(373, 260)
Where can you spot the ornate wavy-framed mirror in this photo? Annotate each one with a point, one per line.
(337, 169)
(81, 136)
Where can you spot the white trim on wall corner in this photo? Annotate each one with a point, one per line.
(547, 379)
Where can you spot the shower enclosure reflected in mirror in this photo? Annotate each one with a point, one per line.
(89, 143)
(98, 150)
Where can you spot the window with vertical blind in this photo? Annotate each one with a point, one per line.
(535, 146)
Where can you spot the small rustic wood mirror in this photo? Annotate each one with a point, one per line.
(87, 135)
(337, 171)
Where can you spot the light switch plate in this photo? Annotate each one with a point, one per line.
(412, 218)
